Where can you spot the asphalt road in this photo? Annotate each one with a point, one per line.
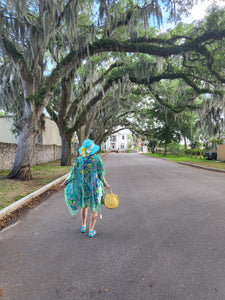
(165, 241)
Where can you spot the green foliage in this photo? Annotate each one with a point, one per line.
(195, 144)
(38, 97)
(174, 147)
(215, 20)
(174, 68)
(12, 50)
(163, 126)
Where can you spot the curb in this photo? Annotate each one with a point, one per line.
(190, 165)
(9, 209)
(201, 167)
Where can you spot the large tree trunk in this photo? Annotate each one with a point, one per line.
(90, 122)
(165, 149)
(185, 143)
(28, 127)
(66, 149)
(67, 86)
(100, 138)
(22, 168)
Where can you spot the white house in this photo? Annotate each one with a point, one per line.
(118, 141)
(50, 136)
(6, 135)
(48, 146)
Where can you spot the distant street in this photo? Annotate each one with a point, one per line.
(165, 241)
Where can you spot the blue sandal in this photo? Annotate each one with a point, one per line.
(92, 233)
(83, 229)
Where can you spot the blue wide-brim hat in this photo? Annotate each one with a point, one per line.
(88, 148)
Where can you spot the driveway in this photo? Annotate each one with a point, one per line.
(165, 241)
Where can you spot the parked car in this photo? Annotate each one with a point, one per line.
(210, 154)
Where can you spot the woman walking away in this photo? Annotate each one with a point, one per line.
(85, 185)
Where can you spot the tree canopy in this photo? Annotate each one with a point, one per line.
(72, 32)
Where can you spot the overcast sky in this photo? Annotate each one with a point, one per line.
(198, 12)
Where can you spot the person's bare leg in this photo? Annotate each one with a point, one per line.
(93, 219)
(84, 212)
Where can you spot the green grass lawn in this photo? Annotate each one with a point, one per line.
(200, 161)
(13, 190)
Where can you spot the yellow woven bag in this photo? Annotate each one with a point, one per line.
(111, 200)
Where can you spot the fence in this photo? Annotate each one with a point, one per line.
(42, 154)
(221, 152)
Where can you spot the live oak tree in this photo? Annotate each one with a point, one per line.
(211, 119)
(74, 105)
(29, 31)
(162, 126)
(26, 31)
(10, 89)
(115, 111)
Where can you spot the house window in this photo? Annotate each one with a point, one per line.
(123, 137)
(113, 139)
(122, 146)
